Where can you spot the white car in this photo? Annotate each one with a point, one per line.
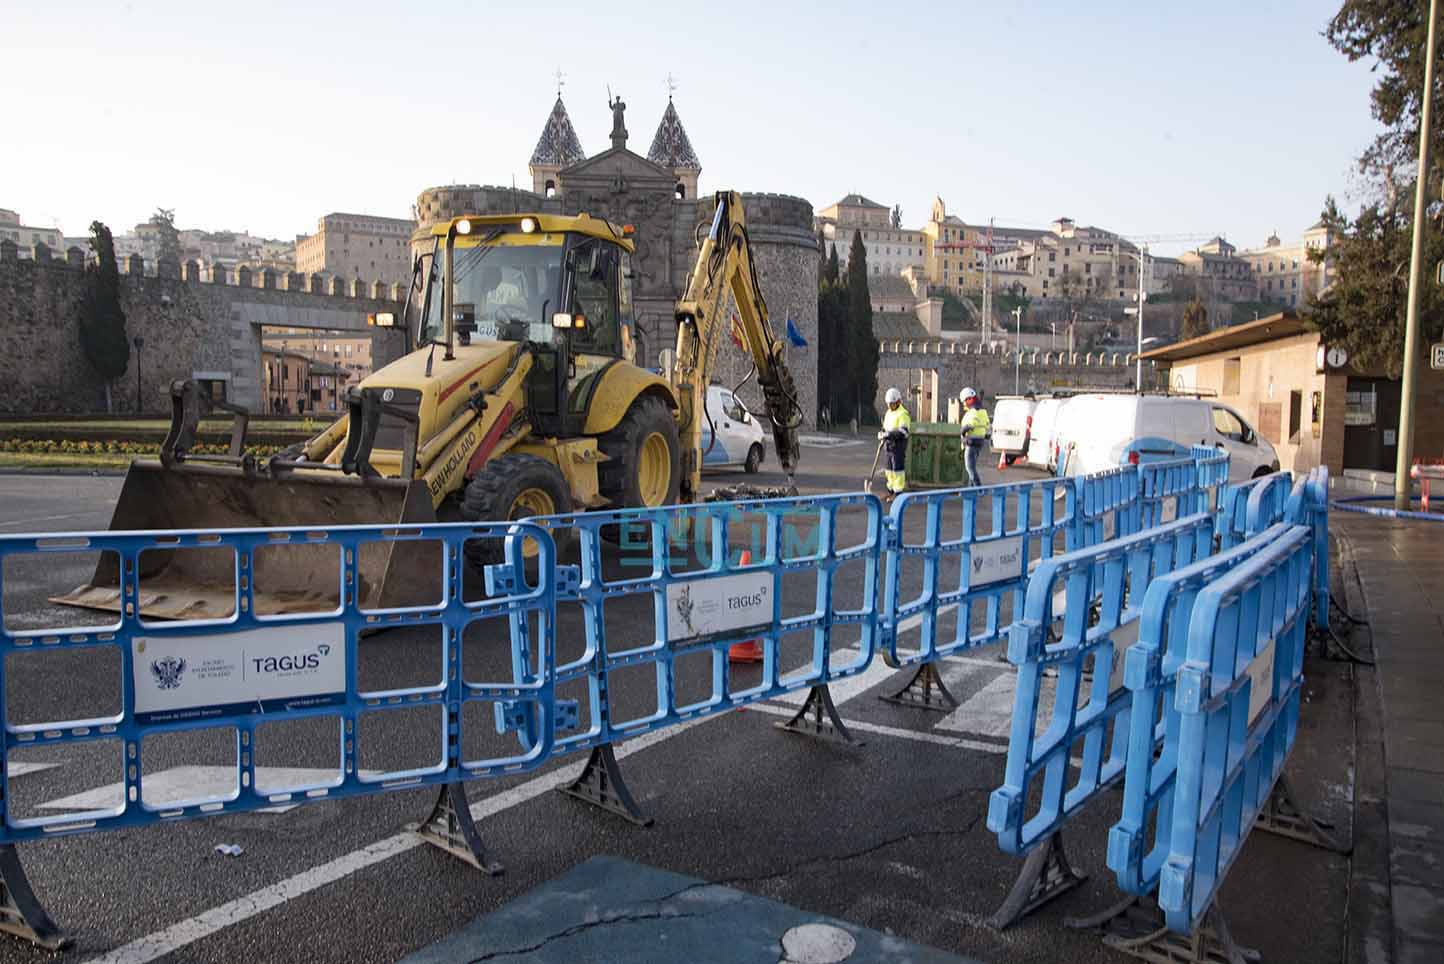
(1101, 431)
(738, 440)
(1012, 424)
(1040, 440)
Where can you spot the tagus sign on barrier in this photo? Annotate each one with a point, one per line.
(254, 671)
(990, 562)
(705, 608)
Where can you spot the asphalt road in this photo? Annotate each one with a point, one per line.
(889, 835)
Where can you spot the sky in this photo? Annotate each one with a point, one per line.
(1146, 119)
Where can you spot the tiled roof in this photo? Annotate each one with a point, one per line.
(901, 326)
(558, 144)
(671, 148)
(858, 201)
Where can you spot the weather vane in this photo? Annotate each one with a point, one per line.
(560, 82)
(671, 85)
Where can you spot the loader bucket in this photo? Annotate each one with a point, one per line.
(286, 577)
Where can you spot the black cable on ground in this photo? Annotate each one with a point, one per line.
(1334, 601)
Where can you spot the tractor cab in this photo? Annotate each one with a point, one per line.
(559, 284)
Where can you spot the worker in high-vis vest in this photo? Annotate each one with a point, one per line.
(896, 423)
(976, 427)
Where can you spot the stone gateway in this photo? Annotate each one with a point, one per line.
(657, 195)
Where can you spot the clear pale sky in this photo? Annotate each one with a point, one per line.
(1145, 119)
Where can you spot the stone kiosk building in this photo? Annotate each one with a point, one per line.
(658, 195)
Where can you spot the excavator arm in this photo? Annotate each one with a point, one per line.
(725, 266)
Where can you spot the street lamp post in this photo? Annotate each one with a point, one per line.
(1141, 257)
(1018, 349)
(1405, 451)
(139, 342)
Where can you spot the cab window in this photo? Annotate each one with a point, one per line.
(1229, 425)
(594, 298)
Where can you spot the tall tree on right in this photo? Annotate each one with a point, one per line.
(1363, 308)
(103, 339)
(862, 344)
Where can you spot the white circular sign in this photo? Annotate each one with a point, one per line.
(817, 944)
(388, 395)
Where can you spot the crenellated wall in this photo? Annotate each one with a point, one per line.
(196, 321)
(940, 369)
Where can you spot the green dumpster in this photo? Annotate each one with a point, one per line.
(935, 456)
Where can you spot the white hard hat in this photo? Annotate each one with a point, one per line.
(966, 394)
(893, 395)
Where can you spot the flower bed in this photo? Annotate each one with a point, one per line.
(30, 446)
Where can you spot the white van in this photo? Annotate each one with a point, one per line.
(1102, 431)
(739, 438)
(1040, 440)
(1012, 421)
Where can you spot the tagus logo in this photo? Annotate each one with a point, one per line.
(290, 663)
(746, 600)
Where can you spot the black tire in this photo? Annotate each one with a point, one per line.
(1012, 459)
(1261, 471)
(754, 459)
(492, 494)
(619, 479)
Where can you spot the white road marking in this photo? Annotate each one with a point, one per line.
(15, 768)
(917, 736)
(48, 518)
(188, 931)
(988, 712)
(197, 783)
(178, 935)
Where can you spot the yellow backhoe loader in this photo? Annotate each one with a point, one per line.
(521, 398)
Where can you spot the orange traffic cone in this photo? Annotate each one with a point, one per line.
(749, 650)
(1002, 462)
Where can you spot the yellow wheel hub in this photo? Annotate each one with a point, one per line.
(530, 502)
(654, 469)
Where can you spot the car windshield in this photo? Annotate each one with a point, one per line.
(507, 291)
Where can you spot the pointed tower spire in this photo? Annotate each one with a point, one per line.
(557, 148)
(672, 149)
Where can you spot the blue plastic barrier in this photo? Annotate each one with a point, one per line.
(1150, 671)
(1212, 474)
(1168, 490)
(684, 564)
(236, 674)
(1107, 506)
(1237, 521)
(1098, 573)
(1238, 701)
(1309, 505)
(968, 563)
(1267, 499)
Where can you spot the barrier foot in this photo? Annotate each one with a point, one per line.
(1046, 874)
(601, 785)
(451, 828)
(21, 912)
(1136, 927)
(925, 690)
(1282, 815)
(809, 720)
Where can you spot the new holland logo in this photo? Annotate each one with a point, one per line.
(167, 671)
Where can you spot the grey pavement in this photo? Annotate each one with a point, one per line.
(1400, 570)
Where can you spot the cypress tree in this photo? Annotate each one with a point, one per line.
(862, 345)
(103, 339)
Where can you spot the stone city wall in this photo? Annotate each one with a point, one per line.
(939, 370)
(196, 321)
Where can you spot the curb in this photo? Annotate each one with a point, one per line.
(1346, 505)
(1369, 914)
(73, 470)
